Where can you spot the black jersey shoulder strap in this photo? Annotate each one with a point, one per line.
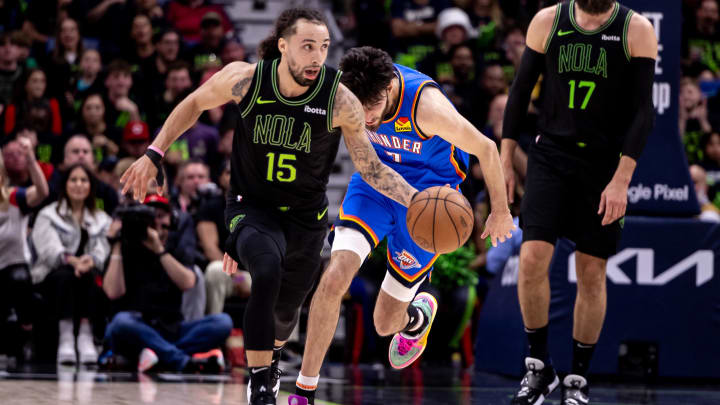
(247, 103)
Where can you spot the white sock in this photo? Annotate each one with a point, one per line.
(307, 383)
(85, 329)
(66, 329)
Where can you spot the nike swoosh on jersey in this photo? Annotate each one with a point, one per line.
(563, 33)
(322, 213)
(261, 101)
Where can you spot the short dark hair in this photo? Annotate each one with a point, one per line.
(119, 66)
(160, 34)
(367, 71)
(178, 65)
(285, 26)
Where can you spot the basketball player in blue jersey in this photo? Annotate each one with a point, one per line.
(415, 130)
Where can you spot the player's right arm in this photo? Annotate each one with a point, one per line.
(348, 114)
(531, 65)
(229, 84)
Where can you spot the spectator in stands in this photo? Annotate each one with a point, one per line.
(212, 235)
(207, 52)
(79, 150)
(486, 20)
(15, 203)
(514, 45)
(70, 239)
(108, 20)
(710, 145)
(31, 90)
(142, 47)
(232, 50)
(24, 46)
(152, 9)
(136, 139)
(708, 211)
(105, 138)
(85, 81)
(153, 71)
(16, 164)
(151, 281)
(464, 90)
(42, 19)
(191, 175)
(64, 59)
(10, 71)
(492, 82)
(413, 26)
(693, 118)
(43, 149)
(702, 39)
(186, 16)
(119, 108)
(493, 128)
(452, 29)
(177, 85)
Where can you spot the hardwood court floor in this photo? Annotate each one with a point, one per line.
(343, 385)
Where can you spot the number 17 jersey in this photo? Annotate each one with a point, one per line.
(587, 80)
(284, 147)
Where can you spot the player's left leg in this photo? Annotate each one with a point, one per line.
(589, 315)
(398, 310)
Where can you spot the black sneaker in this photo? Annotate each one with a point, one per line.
(575, 390)
(262, 398)
(537, 384)
(275, 374)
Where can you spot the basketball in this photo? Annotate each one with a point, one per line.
(440, 219)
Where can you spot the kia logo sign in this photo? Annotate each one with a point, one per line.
(702, 261)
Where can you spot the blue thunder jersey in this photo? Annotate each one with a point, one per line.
(423, 160)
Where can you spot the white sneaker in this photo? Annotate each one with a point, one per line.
(66, 351)
(148, 359)
(86, 348)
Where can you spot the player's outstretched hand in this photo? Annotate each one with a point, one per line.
(229, 265)
(613, 202)
(499, 226)
(137, 176)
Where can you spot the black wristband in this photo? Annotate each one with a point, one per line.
(156, 158)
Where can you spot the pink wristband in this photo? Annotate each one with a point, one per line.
(156, 149)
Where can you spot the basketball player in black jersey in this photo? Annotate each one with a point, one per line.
(597, 59)
(293, 110)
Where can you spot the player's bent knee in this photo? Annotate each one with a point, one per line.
(336, 279)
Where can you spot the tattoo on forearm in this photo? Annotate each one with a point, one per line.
(381, 177)
(240, 87)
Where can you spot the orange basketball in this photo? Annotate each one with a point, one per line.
(440, 219)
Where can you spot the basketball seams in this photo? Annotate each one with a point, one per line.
(434, 218)
(464, 208)
(452, 221)
(418, 215)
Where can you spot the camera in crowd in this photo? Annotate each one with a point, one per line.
(135, 219)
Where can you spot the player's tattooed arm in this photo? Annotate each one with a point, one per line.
(349, 116)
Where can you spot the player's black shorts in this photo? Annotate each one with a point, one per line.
(562, 195)
(299, 236)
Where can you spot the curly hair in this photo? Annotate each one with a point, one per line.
(367, 71)
(285, 26)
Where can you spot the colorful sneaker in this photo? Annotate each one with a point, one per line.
(211, 362)
(298, 400)
(148, 360)
(404, 349)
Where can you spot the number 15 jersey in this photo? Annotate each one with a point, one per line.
(284, 147)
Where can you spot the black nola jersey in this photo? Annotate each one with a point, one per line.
(284, 147)
(586, 79)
